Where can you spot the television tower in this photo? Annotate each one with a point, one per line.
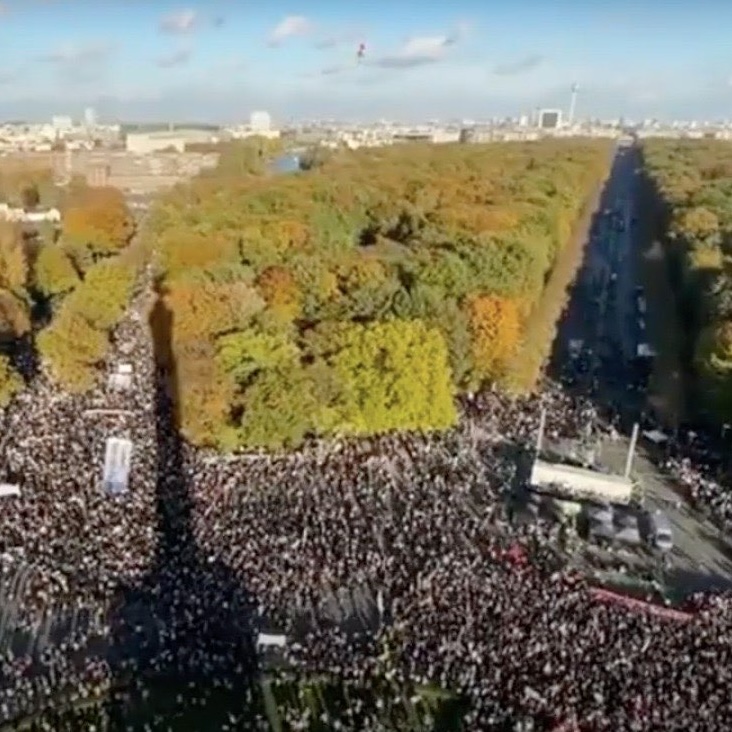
(572, 104)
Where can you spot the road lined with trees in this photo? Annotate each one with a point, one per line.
(693, 183)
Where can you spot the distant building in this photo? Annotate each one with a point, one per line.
(445, 136)
(9, 213)
(90, 117)
(98, 175)
(143, 143)
(467, 134)
(550, 119)
(260, 122)
(62, 123)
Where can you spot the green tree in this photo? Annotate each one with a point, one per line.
(279, 408)
(245, 353)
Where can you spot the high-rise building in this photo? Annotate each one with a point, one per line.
(550, 119)
(90, 117)
(572, 104)
(260, 121)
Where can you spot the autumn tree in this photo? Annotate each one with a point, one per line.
(243, 158)
(392, 375)
(212, 309)
(10, 381)
(30, 196)
(72, 349)
(206, 396)
(281, 292)
(14, 316)
(183, 249)
(54, 273)
(96, 223)
(314, 157)
(13, 260)
(696, 224)
(495, 327)
(102, 297)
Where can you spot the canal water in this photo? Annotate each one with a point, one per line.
(286, 164)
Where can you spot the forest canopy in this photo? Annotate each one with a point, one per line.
(692, 180)
(360, 297)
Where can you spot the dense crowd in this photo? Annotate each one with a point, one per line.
(387, 564)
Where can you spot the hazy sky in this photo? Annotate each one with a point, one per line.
(220, 59)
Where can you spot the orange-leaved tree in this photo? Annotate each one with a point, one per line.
(281, 292)
(495, 328)
(97, 222)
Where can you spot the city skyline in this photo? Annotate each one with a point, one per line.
(217, 61)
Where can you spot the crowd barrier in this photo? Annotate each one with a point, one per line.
(603, 595)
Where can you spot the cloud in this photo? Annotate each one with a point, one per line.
(79, 63)
(421, 50)
(290, 27)
(229, 63)
(179, 23)
(325, 44)
(418, 51)
(73, 54)
(519, 66)
(176, 58)
(338, 38)
(333, 70)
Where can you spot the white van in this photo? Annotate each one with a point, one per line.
(661, 535)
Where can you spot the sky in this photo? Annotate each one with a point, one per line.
(218, 60)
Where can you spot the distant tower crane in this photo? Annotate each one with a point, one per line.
(572, 104)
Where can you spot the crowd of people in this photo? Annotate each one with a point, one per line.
(385, 565)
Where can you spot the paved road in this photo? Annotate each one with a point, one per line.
(603, 314)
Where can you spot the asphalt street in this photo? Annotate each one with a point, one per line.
(603, 313)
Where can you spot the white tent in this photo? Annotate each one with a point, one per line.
(117, 466)
(121, 378)
(9, 489)
(645, 351)
(270, 640)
